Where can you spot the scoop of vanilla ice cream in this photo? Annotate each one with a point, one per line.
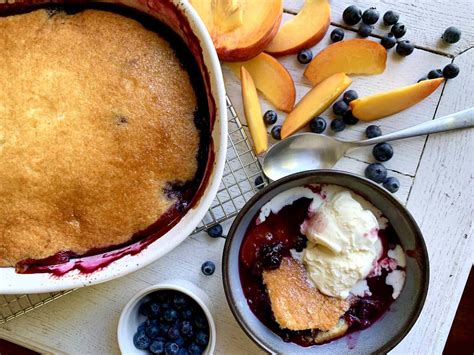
(343, 244)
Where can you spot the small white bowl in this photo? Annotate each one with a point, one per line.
(130, 319)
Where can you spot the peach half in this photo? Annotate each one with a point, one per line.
(353, 56)
(389, 102)
(304, 30)
(315, 102)
(271, 78)
(253, 112)
(240, 29)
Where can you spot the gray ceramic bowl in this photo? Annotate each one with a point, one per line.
(386, 332)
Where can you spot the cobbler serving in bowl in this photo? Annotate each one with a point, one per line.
(322, 257)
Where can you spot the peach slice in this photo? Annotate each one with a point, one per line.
(240, 29)
(354, 56)
(389, 102)
(315, 102)
(304, 30)
(253, 112)
(271, 79)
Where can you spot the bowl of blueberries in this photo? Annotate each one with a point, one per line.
(171, 318)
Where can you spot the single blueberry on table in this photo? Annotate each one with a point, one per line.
(340, 107)
(171, 348)
(180, 301)
(450, 71)
(337, 35)
(451, 34)
(318, 125)
(215, 231)
(398, 30)
(208, 268)
(350, 95)
(390, 18)
(352, 15)
(276, 132)
(270, 117)
(373, 131)
(141, 340)
(365, 30)
(259, 182)
(370, 16)
(194, 349)
(405, 48)
(349, 118)
(157, 346)
(435, 73)
(173, 332)
(338, 125)
(305, 56)
(392, 184)
(382, 151)
(201, 338)
(388, 41)
(376, 172)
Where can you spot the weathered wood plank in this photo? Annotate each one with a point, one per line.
(441, 201)
(426, 20)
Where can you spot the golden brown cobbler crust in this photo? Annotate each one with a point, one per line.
(96, 116)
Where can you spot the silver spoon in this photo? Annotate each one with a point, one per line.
(308, 151)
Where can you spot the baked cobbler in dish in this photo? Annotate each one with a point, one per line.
(98, 132)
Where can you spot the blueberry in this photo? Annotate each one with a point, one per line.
(183, 351)
(370, 16)
(171, 348)
(157, 346)
(305, 56)
(170, 315)
(382, 152)
(208, 268)
(300, 243)
(352, 15)
(272, 261)
(392, 184)
(422, 79)
(180, 341)
(388, 41)
(200, 321)
(373, 131)
(259, 182)
(405, 48)
(340, 107)
(350, 95)
(180, 301)
(152, 331)
(270, 117)
(143, 309)
(398, 30)
(276, 132)
(390, 18)
(186, 328)
(187, 314)
(318, 125)
(163, 329)
(141, 341)
(435, 73)
(349, 118)
(338, 125)
(376, 172)
(450, 71)
(451, 34)
(215, 231)
(141, 327)
(173, 332)
(365, 30)
(153, 310)
(194, 349)
(201, 338)
(337, 35)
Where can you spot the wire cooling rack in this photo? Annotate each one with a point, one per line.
(239, 183)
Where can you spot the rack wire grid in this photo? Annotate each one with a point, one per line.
(242, 178)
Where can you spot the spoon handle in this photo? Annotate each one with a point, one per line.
(458, 120)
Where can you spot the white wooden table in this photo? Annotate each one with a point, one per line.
(436, 174)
